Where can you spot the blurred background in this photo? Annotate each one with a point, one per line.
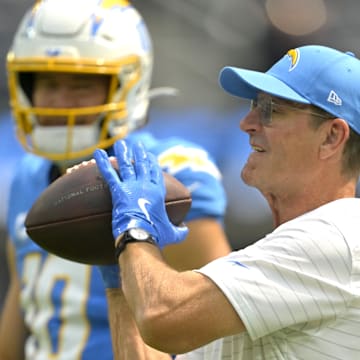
(193, 40)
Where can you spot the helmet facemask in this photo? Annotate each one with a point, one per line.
(125, 108)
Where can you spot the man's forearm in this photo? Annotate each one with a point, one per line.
(126, 339)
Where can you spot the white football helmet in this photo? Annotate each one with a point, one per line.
(81, 36)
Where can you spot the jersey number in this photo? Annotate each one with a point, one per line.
(54, 291)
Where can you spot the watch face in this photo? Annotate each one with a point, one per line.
(139, 234)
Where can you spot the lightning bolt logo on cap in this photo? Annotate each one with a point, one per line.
(294, 56)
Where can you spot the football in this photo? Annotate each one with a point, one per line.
(72, 217)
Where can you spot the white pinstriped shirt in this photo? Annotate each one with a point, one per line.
(297, 290)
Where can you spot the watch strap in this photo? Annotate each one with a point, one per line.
(127, 238)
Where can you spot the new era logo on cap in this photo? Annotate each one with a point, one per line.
(334, 98)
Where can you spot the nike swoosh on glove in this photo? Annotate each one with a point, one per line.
(138, 194)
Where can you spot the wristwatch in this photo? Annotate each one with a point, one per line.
(132, 235)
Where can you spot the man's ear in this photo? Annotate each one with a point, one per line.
(337, 132)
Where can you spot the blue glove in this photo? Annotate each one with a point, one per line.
(138, 195)
(110, 275)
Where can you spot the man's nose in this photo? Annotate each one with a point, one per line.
(251, 121)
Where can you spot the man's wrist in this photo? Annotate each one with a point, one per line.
(131, 236)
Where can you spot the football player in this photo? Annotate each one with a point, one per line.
(79, 74)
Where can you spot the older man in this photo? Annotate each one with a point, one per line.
(294, 294)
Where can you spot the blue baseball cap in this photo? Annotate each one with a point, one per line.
(312, 74)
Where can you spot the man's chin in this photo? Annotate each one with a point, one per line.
(247, 175)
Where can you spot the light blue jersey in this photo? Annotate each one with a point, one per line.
(64, 303)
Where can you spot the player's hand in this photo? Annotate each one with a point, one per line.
(110, 275)
(138, 195)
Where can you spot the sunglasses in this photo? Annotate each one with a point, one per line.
(267, 106)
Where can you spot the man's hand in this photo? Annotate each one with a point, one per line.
(138, 194)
